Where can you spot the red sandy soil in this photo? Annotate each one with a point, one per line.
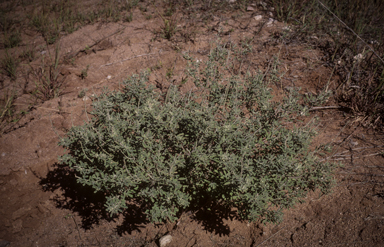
(42, 205)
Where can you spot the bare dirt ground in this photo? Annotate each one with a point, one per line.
(42, 205)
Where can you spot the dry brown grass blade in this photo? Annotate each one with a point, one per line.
(74, 54)
(350, 29)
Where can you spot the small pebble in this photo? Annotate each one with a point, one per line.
(258, 17)
(270, 22)
(165, 240)
(4, 243)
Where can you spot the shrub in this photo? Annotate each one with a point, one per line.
(225, 142)
(12, 40)
(48, 82)
(9, 65)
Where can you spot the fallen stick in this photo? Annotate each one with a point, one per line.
(108, 64)
(325, 108)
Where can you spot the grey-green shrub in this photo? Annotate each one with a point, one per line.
(224, 142)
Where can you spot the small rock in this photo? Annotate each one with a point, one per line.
(85, 98)
(165, 240)
(263, 4)
(374, 42)
(4, 243)
(249, 8)
(358, 58)
(231, 1)
(258, 17)
(270, 21)
(109, 77)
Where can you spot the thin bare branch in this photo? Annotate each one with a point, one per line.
(270, 237)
